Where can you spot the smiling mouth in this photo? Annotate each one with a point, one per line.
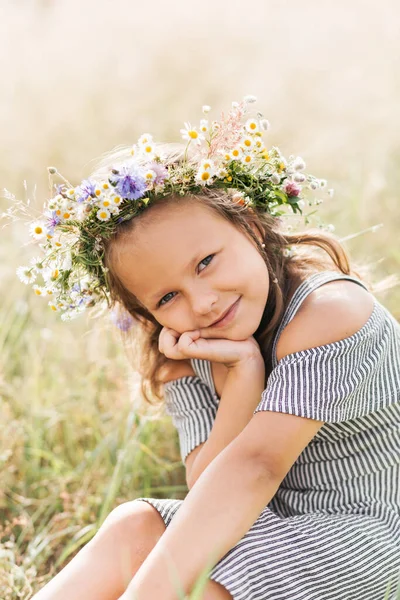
(227, 313)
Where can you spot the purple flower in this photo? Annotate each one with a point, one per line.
(85, 190)
(160, 171)
(122, 319)
(129, 181)
(292, 189)
(52, 221)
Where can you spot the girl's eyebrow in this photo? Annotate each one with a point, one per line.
(189, 265)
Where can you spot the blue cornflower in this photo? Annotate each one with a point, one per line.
(85, 190)
(52, 222)
(129, 181)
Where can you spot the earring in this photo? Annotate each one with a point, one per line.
(262, 245)
(275, 280)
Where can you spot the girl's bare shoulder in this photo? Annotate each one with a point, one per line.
(332, 312)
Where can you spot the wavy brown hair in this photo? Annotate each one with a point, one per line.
(316, 251)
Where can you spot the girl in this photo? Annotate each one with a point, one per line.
(280, 371)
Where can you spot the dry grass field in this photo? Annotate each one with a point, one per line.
(80, 77)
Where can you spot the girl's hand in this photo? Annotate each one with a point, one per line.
(191, 344)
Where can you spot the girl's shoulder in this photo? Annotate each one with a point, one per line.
(332, 312)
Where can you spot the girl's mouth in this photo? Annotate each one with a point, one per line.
(230, 315)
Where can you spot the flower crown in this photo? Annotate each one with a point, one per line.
(231, 155)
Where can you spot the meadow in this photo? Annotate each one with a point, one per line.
(77, 438)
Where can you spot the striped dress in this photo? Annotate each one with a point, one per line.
(332, 530)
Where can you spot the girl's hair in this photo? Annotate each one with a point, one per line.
(316, 251)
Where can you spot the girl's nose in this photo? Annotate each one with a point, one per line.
(204, 303)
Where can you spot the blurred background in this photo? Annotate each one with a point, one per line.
(77, 79)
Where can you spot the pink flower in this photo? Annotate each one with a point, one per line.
(292, 189)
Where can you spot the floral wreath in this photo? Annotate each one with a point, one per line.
(231, 155)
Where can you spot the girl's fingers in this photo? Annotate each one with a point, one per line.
(168, 344)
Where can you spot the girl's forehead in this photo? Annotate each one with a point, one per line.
(178, 222)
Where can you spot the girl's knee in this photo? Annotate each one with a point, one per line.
(133, 522)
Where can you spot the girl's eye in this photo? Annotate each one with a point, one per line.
(167, 296)
(204, 259)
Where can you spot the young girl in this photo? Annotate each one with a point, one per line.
(280, 370)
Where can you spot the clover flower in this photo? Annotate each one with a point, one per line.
(292, 189)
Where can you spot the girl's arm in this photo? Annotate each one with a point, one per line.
(240, 396)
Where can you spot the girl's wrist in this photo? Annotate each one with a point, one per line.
(248, 366)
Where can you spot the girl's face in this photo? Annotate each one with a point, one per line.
(187, 266)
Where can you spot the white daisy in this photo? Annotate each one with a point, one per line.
(252, 126)
(150, 175)
(148, 150)
(106, 186)
(204, 177)
(236, 153)
(66, 214)
(247, 159)
(221, 173)
(204, 126)
(207, 165)
(114, 210)
(38, 230)
(191, 134)
(145, 138)
(116, 200)
(206, 109)
(39, 291)
(98, 191)
(37, 263)
(227, 156)
(264, 123)
(247, 142)
(53, 306)
(105, 202)
(26, 274)
(103, 214)
(70, 193)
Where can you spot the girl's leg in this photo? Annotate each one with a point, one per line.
(104, 567)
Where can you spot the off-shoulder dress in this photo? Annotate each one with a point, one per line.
(332, 530)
